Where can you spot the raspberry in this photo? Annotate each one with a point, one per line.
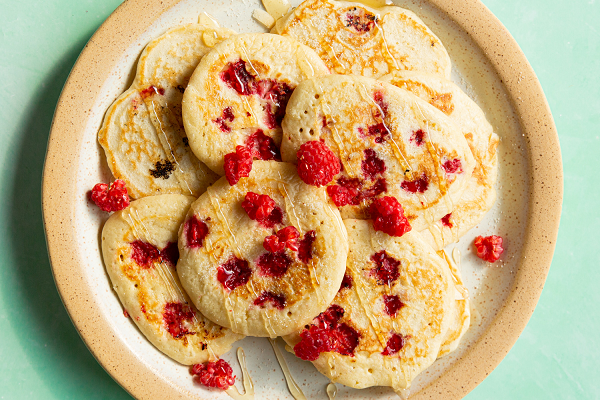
(263, 147)
(222, 120)
(286, 237)
(317, 164)
(233, 273)
(453, 166)
(274, 264)
(195, 231)
(170, 254)
(277, 94)
(418, 137)
(381, 104)
(386, 268)
(262, 209)
(418, 185)
(174, 315)
(313, 341)
(110, 198)
(144, 254)
(346, 192)
(446, 220)
(305, 247)
(380, 131)
(394, 344)
(379, 187)
(236, 76)
(151, 91)
(217, 374)
(489, 248)
(392, 304)
(388, 216)
(329, 318)
(276, 300)
(238, 164)
(346, 282)
(345, 339)
(359, 19)
(372, 165)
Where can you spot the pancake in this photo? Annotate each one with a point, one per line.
(234, 280)
(479, 195)
(390, 318)
(390, 143)
(353, 38)
(139, 245)
(238, 93)
(142, 133)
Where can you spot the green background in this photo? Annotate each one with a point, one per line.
(41, 355)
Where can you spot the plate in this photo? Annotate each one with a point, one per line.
(487, 64)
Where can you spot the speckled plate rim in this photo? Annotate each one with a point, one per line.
(99, 58)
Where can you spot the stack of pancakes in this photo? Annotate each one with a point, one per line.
(198, 263)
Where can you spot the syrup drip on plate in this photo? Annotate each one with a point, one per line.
(331, 390)
(247, 381)
(291, 383)
(403, 393)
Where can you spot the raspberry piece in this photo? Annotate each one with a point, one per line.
(346, 282)
(274, 264)
(346, 192)
(305, 248)
(263, 147)
(238, 164)
(170, 254)
(418, 137)
(379, 187)
(236, 76)
(394, 344)
(317, 164)
(174, 315)
(386, 268)
(233, 273)
(388, 216)
(381, 104)
(125, 313)
(144, 254)
(446, 220)
(313, 341)
(110, 198)
(221, 122)
(277, 95)
(360, 20)
(344, 339)
(262, 209)
(276, 300)
(286, 237)
(419, 185)
(218, 374)
(489, 248)
(372, 165)
(195, 231)
(329, 318)
(453, 166)
(392, 304)
(151, 91)
(380, 131)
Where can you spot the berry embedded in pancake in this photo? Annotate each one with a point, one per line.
(139, 245)
(389, 142)
(390, 317)
(142, 133)
(238, 94)
(265, 256)
(353, 38)
(479, 195)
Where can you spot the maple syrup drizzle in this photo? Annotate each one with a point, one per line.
(233, 392)
(293, 387)
(331, 390)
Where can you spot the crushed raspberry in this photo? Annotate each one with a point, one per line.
(170, 254)
(346, 282)
(313, 341)
(372, 165)
(379, 131)
(346, 192)
(144, 254)
(418, 137)
(277, 94)
(263, 147)
(286, 237)
(150, 91)
(237, 165)
(419, 185)
(379, 187)
(306, 245)
(489, 248)
(274, 264)
(446, 220)
(317, 164)
(218, 374)
(222, 120)
(345, 339)
(453, 166)
(174, 316)
(392, 304)
(195, 231)
(329, 318)
(360, 20)
(388, 216)
(262, 209)
(276, 300)
(233, 273)
(110, 198)
(125, 313)
(394, 344)
(381, 104)
(237, 77)
(386, 268)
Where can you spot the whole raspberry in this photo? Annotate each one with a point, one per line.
(489, 248)
(217, 374)
(313, 341)
(262, 209)
(317, 164)
(286, 237)
(238, 164)
(388, 216)
(110, 198)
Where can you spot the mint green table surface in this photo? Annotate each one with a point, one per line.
(41, 354)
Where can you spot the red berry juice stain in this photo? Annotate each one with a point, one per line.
(235, 272)
(418, 185)
(386, 270)
(263, 147)
(174, 315)
(195, 231)
(274, 264)
(306, 245)
(394, 344)
(446, 220)
(276, 300)
(226, 116)
(392, 304)
(144, 254)
(372, 165)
